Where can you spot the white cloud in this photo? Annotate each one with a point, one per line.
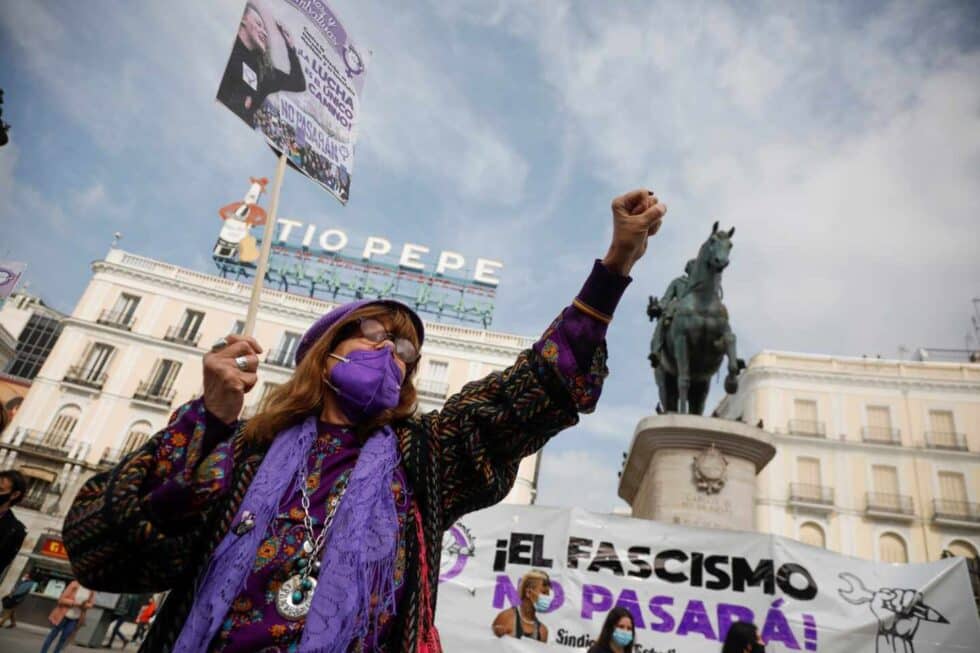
(577, 478)
(90, 197)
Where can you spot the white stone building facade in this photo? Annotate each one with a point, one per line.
(878, 459)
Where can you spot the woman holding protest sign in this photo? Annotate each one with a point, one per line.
(317, 524)
(618, 633)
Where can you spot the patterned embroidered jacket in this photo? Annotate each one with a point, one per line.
(457, 460)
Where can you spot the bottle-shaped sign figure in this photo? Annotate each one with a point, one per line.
(236, 240)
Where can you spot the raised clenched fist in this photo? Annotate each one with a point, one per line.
(637, 215)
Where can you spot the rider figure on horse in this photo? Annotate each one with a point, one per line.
(663, 310)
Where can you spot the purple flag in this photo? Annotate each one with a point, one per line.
(10, 272)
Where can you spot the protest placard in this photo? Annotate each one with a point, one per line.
(295, 75)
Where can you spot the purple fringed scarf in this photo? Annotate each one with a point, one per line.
(357, 561)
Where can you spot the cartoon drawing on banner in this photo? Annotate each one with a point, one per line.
(458, 546)
(898, 611)
(236, 240)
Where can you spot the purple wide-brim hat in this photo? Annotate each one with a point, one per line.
(324, 323)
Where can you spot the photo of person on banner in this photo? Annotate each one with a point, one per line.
(250, 76)
(618, 633)
(521, 621)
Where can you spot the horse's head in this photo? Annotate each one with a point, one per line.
(714, 252)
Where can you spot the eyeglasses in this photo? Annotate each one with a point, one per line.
(374, 331)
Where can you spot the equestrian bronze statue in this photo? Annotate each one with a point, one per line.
(692, 333)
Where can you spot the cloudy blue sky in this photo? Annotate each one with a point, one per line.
(841, 139)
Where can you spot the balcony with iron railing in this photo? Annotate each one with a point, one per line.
(32, 502)
(154, 394)
(881, 435)
(813, 497)
(119, 319)
(282, 358)
(56, 446)
(181, 335)
(432, 388)
(808, 428)
(946, 440)
(889, 506)
(88, 378)
(956, 513)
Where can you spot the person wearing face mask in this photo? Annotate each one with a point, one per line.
(617, 633)
(743, 637)
(12, 530)
(317, 524)
(521, 621)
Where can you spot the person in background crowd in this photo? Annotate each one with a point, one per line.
(250, 76)
(68, 614)
(521, 621)
(126, 610)
(743, 637)
(617, 634)
(24, 586)
(336, 472)
(12, 531)
(144, 618)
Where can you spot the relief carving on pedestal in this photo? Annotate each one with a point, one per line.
(710, 468)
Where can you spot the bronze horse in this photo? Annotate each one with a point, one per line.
(697, 334)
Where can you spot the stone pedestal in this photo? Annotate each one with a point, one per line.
(694, 470)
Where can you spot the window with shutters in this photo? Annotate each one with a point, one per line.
(809, 470)
(891, 548)
(886, 496)
(885, 478)
(941, 421)
(962, 548)
(805, 421)
(809, 487)
(952, 493)
(879, 428)
(96, 362)
(434, 383)
(813, 535)
(163, 376)
(285, 354)
(125, 308)
(942, 431)
(191, 323)
(61, 427)
(139, 434)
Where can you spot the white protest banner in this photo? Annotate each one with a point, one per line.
(686, 586)
(295, 75)
(10, 273)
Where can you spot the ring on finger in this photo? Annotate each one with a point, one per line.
(242, 363)
(220, 343)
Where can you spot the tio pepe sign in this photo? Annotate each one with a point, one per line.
(411, 257)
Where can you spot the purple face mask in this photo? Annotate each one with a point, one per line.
(367, 382)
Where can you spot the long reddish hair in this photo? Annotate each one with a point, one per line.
(302, 395)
